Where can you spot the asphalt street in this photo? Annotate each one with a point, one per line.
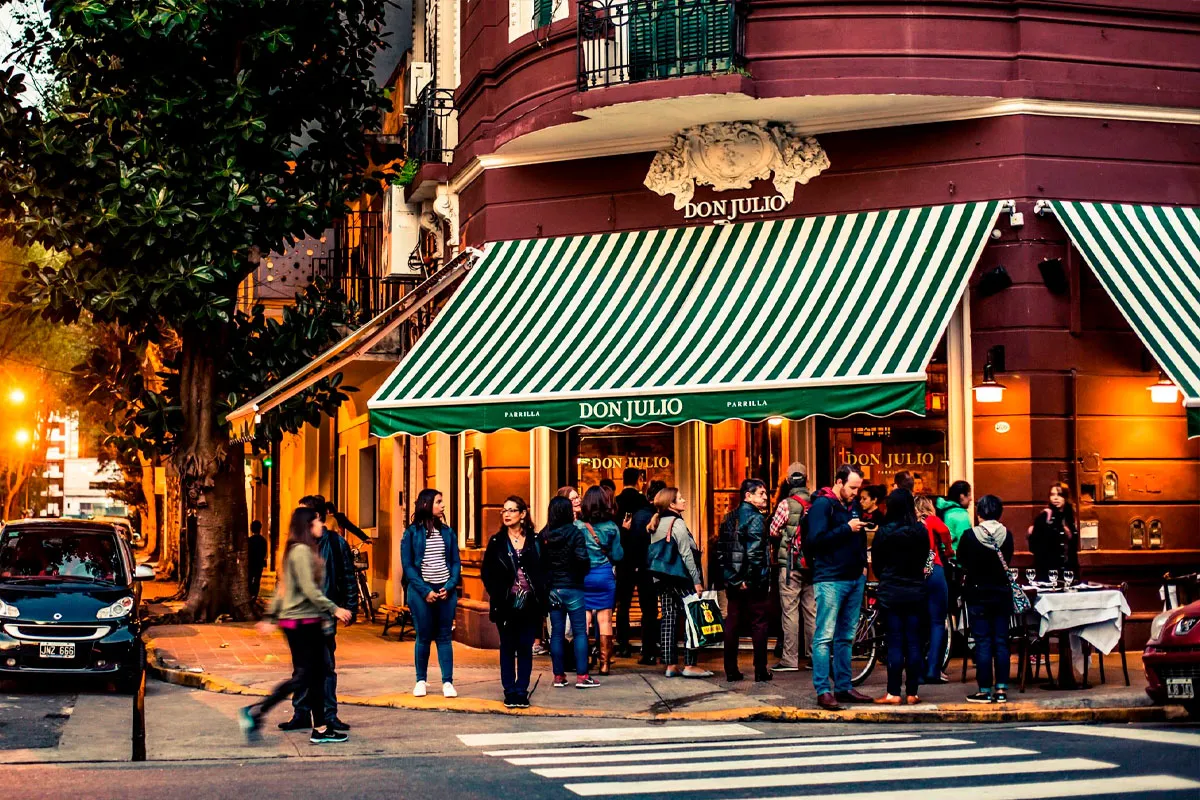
(196, 751)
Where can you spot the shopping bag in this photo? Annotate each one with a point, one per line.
(702, 617)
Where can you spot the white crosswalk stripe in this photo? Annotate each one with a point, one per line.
(707, 760)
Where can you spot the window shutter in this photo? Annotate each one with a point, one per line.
(543, 13)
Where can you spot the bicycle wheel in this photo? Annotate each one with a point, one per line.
(865, 651)
(364, 595)
(949, 643)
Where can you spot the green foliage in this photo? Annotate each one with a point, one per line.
(187, 137)
(408, 172)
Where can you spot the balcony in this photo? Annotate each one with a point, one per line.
(630, 41)
(431, 126)
(352, 261)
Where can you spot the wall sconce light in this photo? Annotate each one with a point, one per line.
(988, 390)
(1164, 390)
(994, 281)
(775, 421)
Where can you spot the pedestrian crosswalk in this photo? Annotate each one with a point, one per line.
(720, 761)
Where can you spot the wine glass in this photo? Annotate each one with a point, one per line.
(1031, 577)
(1014, 574)
(1068, 578)
(1052, 576)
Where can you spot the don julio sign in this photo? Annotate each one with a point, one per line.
(734, 208)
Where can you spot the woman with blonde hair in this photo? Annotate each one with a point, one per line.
(672, 561)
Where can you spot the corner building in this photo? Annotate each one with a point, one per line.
(717, 237)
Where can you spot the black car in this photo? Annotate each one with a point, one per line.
(69, 600)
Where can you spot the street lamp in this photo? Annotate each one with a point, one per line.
(23, 436)
(989, 390)
(16, 396)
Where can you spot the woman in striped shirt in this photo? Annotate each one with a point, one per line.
(429, 553)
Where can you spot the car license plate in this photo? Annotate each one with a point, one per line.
(56, 649)
(1181, 689)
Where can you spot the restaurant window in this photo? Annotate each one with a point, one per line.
(881, 447)
(368, 486)
(599, 453)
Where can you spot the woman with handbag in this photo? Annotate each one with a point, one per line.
(984, 553)
(516, 587)
(603, 540)
(671, 559)
(937, 587)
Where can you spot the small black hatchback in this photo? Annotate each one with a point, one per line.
(69, 601)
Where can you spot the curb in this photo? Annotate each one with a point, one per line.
(1013, 712)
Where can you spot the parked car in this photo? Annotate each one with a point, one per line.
(125, 527)
(70, 597)
(1172, 658)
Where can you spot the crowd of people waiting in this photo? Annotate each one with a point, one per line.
(809, 554)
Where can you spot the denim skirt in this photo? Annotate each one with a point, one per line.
(600, 588)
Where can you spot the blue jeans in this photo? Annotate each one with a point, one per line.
(938, 598)
(433, 623)
(516, 648)
(989, 624)
(902, 629)
(571, 605)
(838, 607)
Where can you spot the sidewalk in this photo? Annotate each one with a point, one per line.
(375, 671)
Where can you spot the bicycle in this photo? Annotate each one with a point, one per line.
(362, 583)
(869, 645)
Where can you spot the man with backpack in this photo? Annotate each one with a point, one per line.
(795, 592)
(744, 559)
(837, 546)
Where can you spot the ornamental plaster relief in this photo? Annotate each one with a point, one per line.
(732, 155)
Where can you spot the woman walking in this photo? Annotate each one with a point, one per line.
(1054, 537)
(566, 561)
(900, 555)
(516, 587)
(676, 575)
(937, 587)
(603, 541)
(429, 554)
(302, 611)
(984, 552)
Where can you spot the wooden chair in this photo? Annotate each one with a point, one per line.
(396, 615)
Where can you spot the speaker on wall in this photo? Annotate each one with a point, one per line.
(993, 281)
(1054, 275)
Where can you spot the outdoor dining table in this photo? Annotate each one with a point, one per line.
(1092, 614)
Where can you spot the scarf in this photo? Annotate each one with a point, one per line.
(991, 534)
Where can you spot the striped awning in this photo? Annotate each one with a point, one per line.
(831, 315)
(1148, 260)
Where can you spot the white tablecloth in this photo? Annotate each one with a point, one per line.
(1096, 617)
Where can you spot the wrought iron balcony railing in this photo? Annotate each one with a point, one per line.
(629, 41)
(431, 126)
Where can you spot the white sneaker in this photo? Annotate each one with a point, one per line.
(448, 690)
(420, 689)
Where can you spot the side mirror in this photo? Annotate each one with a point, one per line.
(143, 572)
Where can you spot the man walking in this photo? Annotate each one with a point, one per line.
(631, 570)
(795, 593)
(338, 586)
(745, 562)
(837, 545)
(646, 589)
(256, 550)
(953, 510)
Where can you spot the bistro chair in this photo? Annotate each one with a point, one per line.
(1087, 648)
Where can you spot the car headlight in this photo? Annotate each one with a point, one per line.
(1158, 623)
(117, 609)
(7, 610)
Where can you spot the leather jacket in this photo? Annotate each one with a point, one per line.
(743, 549)
(499, 573)
(340, 585)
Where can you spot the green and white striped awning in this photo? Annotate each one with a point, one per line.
(1148, 259)
(828, 315)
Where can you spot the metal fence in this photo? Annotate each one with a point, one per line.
(629, 41)
(353, 263)
(430, 124)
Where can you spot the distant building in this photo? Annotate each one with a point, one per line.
(75, 482)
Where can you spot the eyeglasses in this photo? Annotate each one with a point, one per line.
(510, 510)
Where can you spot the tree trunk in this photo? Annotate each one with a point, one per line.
(212, 470)
(151, 542)
(168, 562)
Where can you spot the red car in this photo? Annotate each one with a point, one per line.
(1172, 658)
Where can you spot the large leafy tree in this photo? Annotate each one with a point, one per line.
(184, 139)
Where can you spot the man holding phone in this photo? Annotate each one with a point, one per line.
(837, 540)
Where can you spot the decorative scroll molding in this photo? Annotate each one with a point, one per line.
(732, 155)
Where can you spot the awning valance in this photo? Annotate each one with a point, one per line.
(1148, 260)
(830, 315)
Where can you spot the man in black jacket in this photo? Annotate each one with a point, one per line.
(340, 587)
(647, 591)
(632, 567)
(743, 553)
(837, 544)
